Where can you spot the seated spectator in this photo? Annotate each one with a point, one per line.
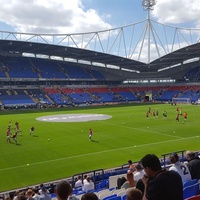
(7, 197)
(40, 188)
(16, 195)
(88, 186)
(51, 189)
(139, 172)
(45, 194)
(134, 194)
(36, 193)
(120, 182)
(179, 167)
(163, 184)
(11, 194)
(63, 190)
(131, 166)
(193, 164)
(85, 179)
(29, 194)
(79, 182)
(129, 181)
(89, 196)
(21, 197)
(140, 186)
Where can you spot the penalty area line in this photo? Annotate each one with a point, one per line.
(96, 153)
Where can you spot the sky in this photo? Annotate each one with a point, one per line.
(80, 16)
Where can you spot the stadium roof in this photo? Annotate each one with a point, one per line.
(17, 48)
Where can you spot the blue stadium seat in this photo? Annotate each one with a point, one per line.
(191, 190)
(191, 182)
(110, 197)
(113, 198)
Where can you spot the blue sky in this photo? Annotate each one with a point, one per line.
(69, 16)
(80, 16)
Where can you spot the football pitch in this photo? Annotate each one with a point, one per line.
(59, 150)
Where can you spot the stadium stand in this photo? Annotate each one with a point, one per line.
(68, 96)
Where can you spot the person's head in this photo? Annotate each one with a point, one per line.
(138, 167)
(21, 197)
(79, 177)
(190, 155)
(63, 190)
(134, 194)
(151, 164)
(174, 158)
(44, 190)
(89, 196)
(130, 162)
(88, 179)
(85, 176)
(35, 190)
(29, 193)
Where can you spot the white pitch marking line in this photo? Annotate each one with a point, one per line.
(143, 130)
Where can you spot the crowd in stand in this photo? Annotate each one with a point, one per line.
(147, 180)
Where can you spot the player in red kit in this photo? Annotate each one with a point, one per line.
(90, 134)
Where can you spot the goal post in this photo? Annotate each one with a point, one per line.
(181, 100)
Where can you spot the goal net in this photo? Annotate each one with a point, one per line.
(181, 100)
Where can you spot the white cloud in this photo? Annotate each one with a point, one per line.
(177, 11)
(50, 16)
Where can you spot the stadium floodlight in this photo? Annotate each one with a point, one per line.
(148, 4)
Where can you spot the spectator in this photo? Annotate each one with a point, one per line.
(21, 197)
(129, 181)
(179, 167)
(12, 194)
(36, 195)
(51, 189)
(16, 195)
(134, 194)
(193, 164)
(40, 188)
(7, 197)
(139, 172)
(159, 183)
(140, 185)
(88, 186)
(131, 166)
(120, 182)
(79, 182)
(89, 196)
(85, 179)
(29, 194)
(45, 194)
(63, 190)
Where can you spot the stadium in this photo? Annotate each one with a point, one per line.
(65, 84)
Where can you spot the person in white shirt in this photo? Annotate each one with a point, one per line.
(179, 167)
(79, 182)
(36, 195)
(88, 186)
(139, 173)
(85, 179)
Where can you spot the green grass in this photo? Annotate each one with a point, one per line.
(127, 135)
